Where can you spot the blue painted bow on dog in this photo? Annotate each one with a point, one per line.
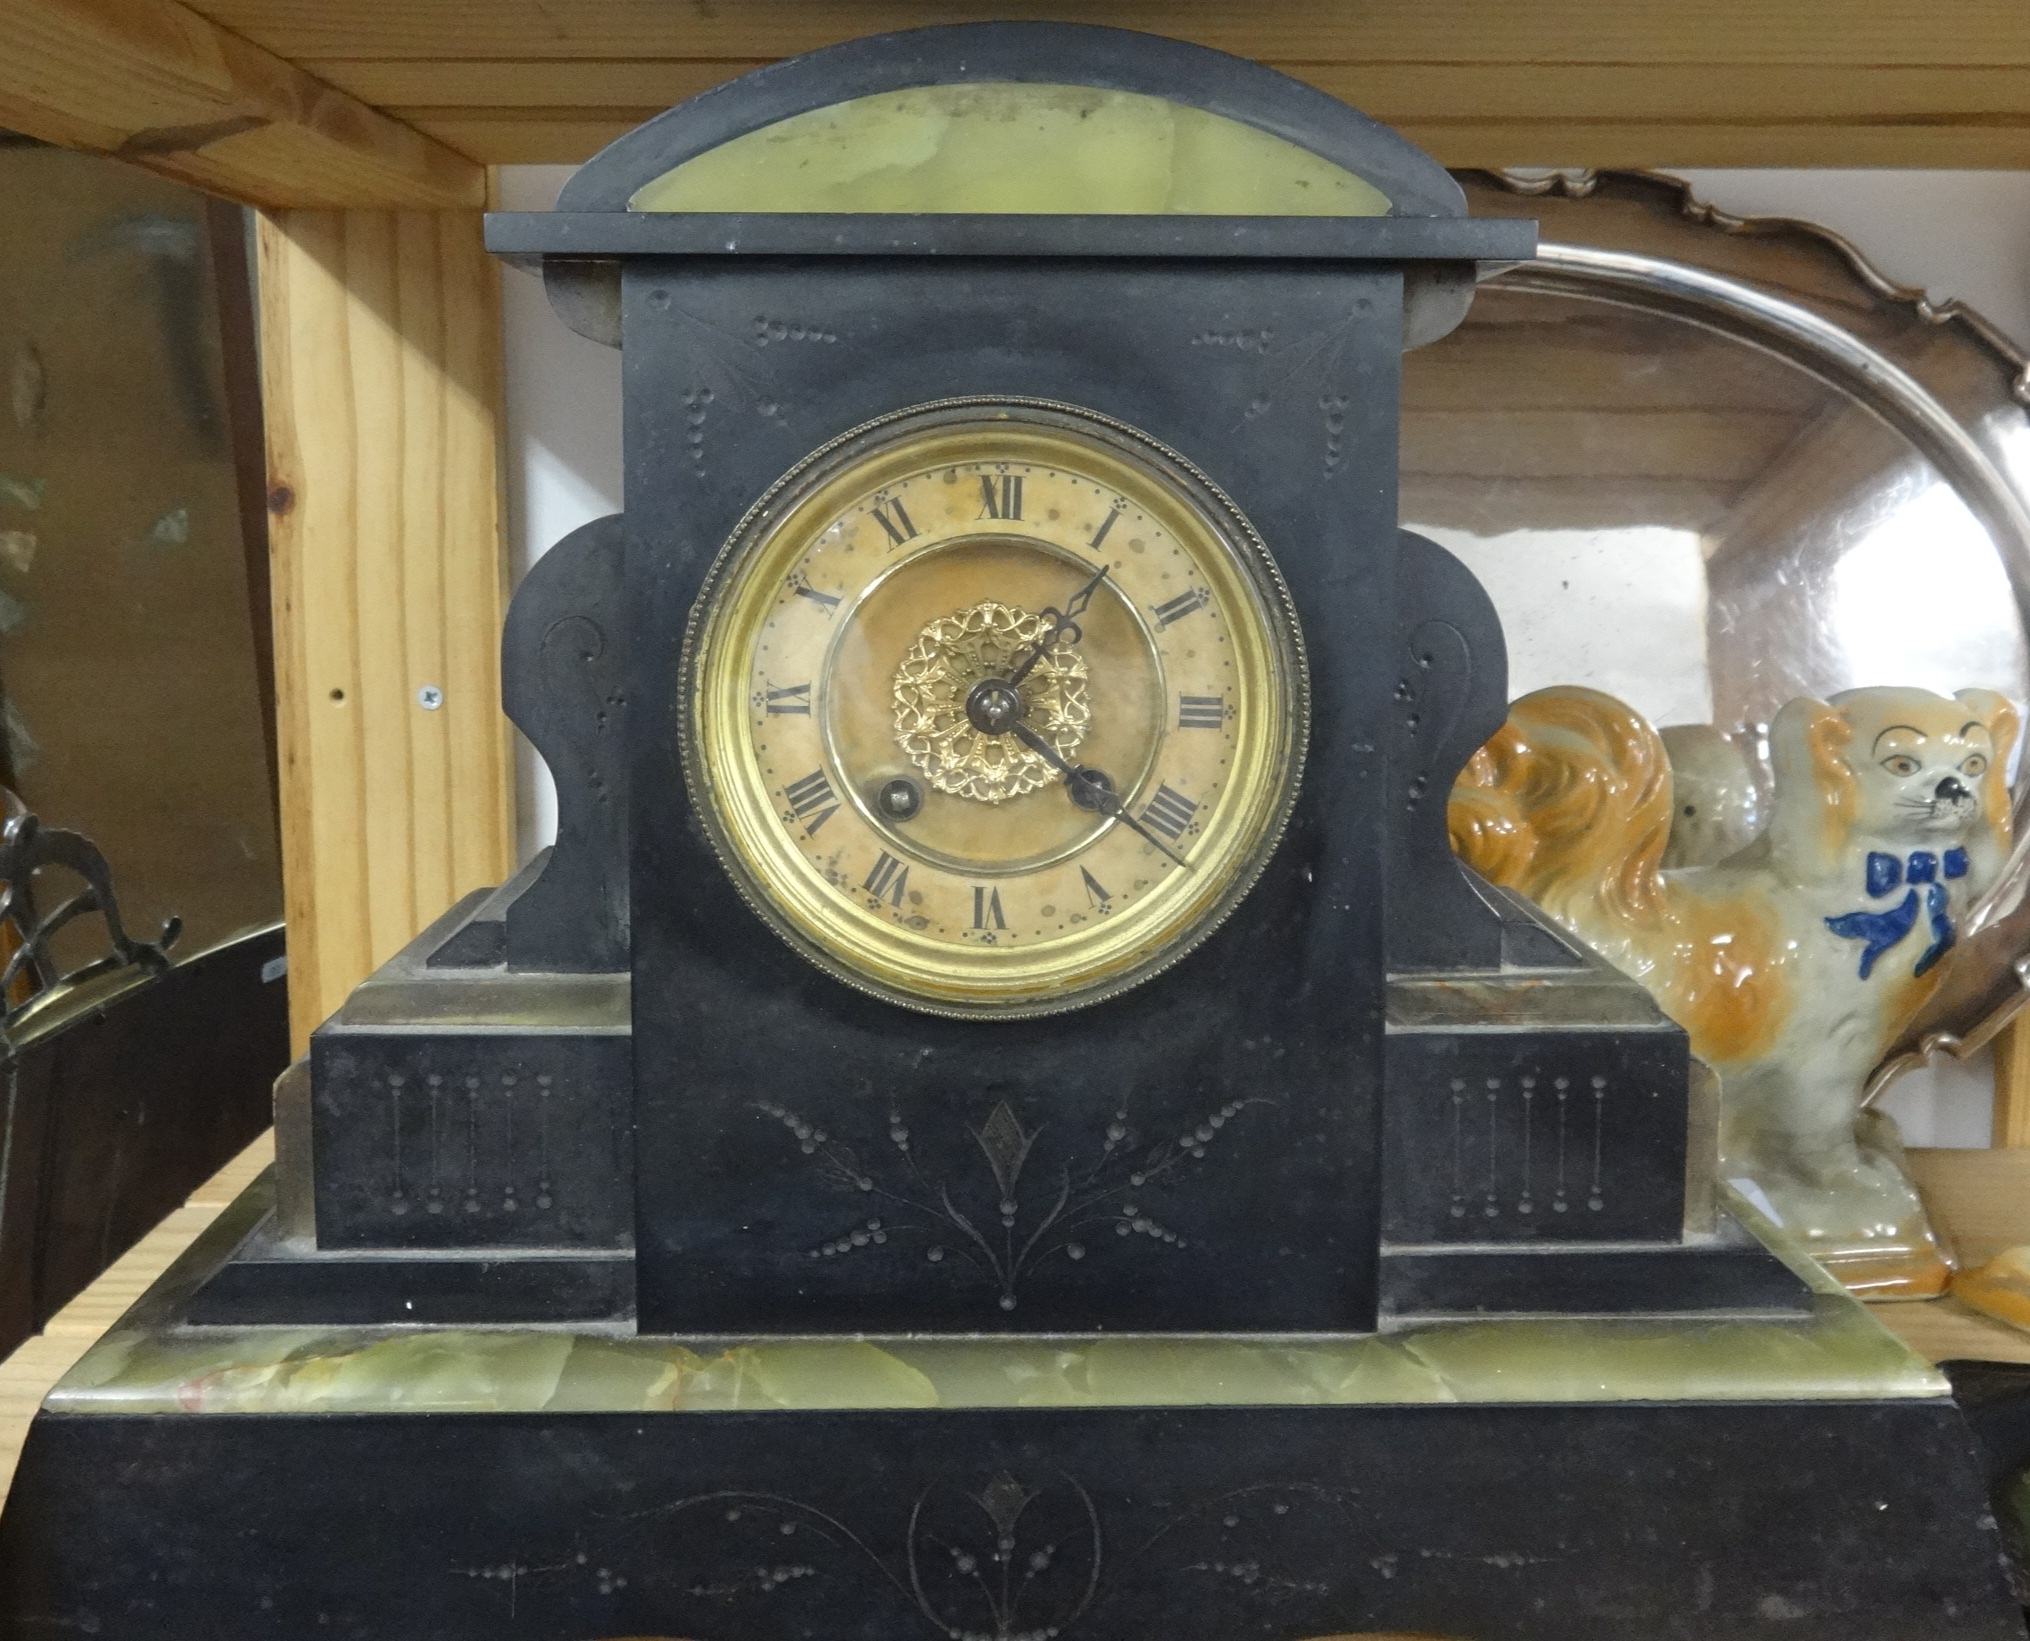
(1880, 931)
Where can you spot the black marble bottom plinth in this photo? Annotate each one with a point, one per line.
(1808, 1521)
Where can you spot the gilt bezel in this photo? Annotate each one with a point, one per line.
(821, 920)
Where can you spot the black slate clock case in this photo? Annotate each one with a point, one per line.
(1267, 353)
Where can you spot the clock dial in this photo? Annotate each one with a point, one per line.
(994, 708)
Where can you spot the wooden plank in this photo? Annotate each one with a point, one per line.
(2012, 1087)
(1606, 145)
(512, 111)
(1981, 1200)
(155, 83)
(504, 87)
(1724, 447)
(1944, 1330)
(26, 1376)
(1860, 33)
(1633, 93)
(1496, 508)
(518, 137)
(1600, 359)
(381, 360)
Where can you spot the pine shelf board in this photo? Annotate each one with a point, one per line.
(26, 1376)
(1982, 1201)
(363, 104)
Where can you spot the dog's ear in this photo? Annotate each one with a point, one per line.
(1816, 795)
(2000, 717)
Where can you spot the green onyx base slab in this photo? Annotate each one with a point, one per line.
(1838, 1353)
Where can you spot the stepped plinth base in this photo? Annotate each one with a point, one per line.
(1800, 1478)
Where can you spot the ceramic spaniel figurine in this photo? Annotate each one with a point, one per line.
(1794, 962)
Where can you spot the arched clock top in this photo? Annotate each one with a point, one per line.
(1002, 146)
(1013, 140)
(1199, 91)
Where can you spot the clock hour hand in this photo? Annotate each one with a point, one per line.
(1088, 790)
(1061, 622)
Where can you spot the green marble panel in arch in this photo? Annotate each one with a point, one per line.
(995, 147)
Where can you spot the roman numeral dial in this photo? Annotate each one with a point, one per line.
(1169, 813)
(1001, 496)
(812, 801)
(894, 520)
(889, 880)
(992, 712)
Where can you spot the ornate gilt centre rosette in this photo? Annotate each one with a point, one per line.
(949, 657)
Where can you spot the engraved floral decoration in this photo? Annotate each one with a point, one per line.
(949, 657)
(1299, 367)
(733, 367)
(1006, 1562)
(1007, 1557)
(1024, 1223)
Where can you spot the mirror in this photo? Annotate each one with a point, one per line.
(1707, 464)
(1707, 495)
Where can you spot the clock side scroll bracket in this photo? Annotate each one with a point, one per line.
(1450, 696)
(564, 683)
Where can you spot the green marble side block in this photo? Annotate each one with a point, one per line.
(994, 147)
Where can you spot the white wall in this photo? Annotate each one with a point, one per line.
(1962, 234)
(563, 446)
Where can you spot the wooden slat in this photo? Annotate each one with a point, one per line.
(1981, 1200)
(1464, 93)
(518, 139)
(1945, 1330)
(1717, 143)
(2012, 1088)
(155, 83)
(1861, 33)
(516, 110)
(26, 1376)
(572, 136)
(1577, 82)
(1522, 90)
(528, 84)
(1590, 502)
(388, 103)
(1724, 447)
(380, 354)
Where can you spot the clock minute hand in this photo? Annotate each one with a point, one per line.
(1061, 622)
(1103, 797)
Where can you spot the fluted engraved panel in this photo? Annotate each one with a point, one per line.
(447, 1142)
(1497, 1136)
